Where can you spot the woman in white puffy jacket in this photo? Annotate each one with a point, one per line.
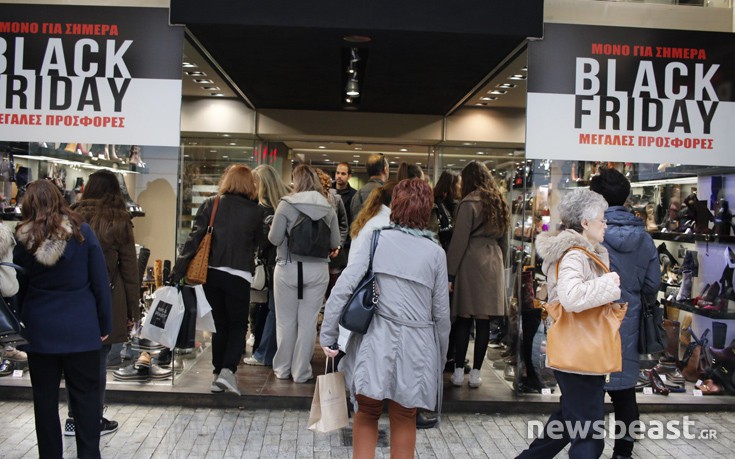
(580, 285)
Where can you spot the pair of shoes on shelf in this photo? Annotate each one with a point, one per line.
(106, 427)
(709, 387)
(253, 361)
(227, 380)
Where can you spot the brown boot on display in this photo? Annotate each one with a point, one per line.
(671, 353)
(158, 273)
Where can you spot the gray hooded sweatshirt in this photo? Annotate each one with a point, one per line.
(314, 205)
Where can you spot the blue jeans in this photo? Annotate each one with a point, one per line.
(267, 347)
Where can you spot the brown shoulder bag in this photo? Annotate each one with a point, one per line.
(196, 272)
(586, 342)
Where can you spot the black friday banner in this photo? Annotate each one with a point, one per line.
(631, 95)
(89, 74)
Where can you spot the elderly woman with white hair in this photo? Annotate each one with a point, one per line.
(580, 285)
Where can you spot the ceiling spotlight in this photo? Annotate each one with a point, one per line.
(506, 85)
(482, 104)
(498, 91)
(196, 73)
(517, 77)
(322, 146)
(217, 94)
(352, 89)
(404, 149)
(211, 88)
(488, 98)
(188, 65)
(204, 81)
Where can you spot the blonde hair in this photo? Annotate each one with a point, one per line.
(270, 186)
(305, 179)
(380, 196)
(238, 179)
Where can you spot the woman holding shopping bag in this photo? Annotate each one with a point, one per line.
(402, 355)
(237, 232)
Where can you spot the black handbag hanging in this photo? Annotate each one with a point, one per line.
(360, 308)
(651, 333)
(11, 327)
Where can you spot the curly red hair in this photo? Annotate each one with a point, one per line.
(411, 203)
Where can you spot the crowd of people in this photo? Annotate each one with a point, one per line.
(439, 263)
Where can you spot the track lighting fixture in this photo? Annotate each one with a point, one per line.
(352, 89)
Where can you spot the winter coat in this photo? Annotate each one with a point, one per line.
(362, 194)
(237, 234)
(379, 221)
(66, 305)
(315, 206)
(122, 264)
(8, 279)
(344, 229)
(476, 262)
(395, 361)
(346, 196)
(581, 283)
(634, 257)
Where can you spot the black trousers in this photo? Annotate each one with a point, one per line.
(82, 376)
(626, 411)
(229, 297)
(582, 400)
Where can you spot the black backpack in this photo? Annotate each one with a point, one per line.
(310, 238)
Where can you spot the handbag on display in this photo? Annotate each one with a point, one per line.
(196, 272)
(586, 342)
(651, 336)
(10, 325)
(360, 308)
(696, 362)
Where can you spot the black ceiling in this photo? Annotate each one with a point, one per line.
(420, 63)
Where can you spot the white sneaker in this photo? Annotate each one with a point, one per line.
(250, 340)
(458, 377)
(215, 389)
(227, 380)
(252, 361)
(475, 379)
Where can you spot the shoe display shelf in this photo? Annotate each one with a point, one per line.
(81, 158)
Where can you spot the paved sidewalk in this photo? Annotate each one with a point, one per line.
(174, 432)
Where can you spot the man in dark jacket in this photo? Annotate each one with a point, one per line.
(377, 168)
(342, 177)
(634, 257)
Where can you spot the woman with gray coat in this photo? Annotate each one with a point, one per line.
(299, 280)
(476, 266)
(402, 355)
(634, 257)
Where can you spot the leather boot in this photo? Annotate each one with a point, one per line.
(691, 262)
(133, 208)
(672, 328)
(685, 336)
(527, 291)
(685, 292)
(702, 217)
(723, 219)
(651, 218)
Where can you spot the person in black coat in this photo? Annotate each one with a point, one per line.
(236, 235)
(66, 307)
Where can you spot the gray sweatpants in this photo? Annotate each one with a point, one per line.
(296, 318)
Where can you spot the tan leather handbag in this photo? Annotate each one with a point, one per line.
(586, 342)
(196, 272)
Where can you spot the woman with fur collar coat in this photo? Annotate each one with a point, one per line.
(580, 285)
(66, 310)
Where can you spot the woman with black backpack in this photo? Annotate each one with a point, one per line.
(306, 232)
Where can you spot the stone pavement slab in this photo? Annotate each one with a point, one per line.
(148, 432)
